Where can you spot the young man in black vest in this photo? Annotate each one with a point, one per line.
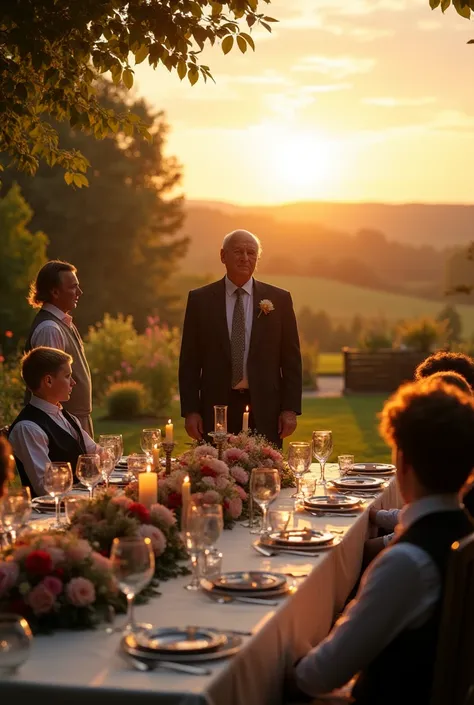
(43, 431)
(388, 634)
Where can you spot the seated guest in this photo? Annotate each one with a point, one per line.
(388, 634)
(447, 362)
(7, 464)
(43, 431)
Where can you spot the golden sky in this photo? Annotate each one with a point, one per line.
(357, 100)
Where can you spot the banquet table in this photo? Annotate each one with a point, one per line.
(72, 668)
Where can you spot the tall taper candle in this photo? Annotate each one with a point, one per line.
(169, 432)
(148, 487)
(245, 420)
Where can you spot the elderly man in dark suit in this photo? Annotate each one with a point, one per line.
(240, 348)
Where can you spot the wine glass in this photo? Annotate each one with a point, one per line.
(133, 564)
(88, 470)
(113, 441)
(15, 642)
(193, 538)
(15, 509)
(137, 463)
(299, 460)
(322, 449)
(265, 487)
(57, 482)
(107, 464)
(150, 442)
(213, 524)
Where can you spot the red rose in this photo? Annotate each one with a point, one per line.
(39, 563)
(59, 572)
(208, 472)
(140, 512)
(174, 500)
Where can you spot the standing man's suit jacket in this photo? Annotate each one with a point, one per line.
(274, 360)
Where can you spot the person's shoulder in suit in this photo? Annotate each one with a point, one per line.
(203, 291)
(272, 290)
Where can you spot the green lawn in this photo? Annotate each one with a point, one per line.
(353, 421)
(330, 364)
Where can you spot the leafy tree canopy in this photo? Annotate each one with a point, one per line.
(51, 52)
(462, 7)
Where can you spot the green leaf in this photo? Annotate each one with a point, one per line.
(80, 180)
(195, 9)
(434, 4)
(445, 4)
(127, 78)
(248, 39)
(193, 75)
(242, 44)
(227, 43)
(462, 9)
(68, 177)
(141, 54)
(182, 69)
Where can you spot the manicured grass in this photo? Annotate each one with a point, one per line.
(330, 364)
(353, 421)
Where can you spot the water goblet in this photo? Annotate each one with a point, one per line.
(114, 441)
(150, 443)
(265, 487)
(322, 449)
(133, 564)
(346, 463)
(88, 470)
(107, 464)
(137, 463)
(213, 525)
(57, 482)
(72, 504)
(15, 509)
(299, 460)
(15, 642)
(278, 519)
(193, 538)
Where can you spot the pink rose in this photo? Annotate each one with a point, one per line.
(80, 592)
(57, 555)
(235, 507)
(240, 475)
(156, 536)
(208, 481)
(8, 576)
(235, 455)
(202, 451)
(122, 501)
(233, 439)
(53, 584)
(79, 550)
(101, 562)
(210, 497)
(222, 483)
(162, 515)
(40, 599)
(241, 492)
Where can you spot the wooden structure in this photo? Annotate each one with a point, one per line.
(379, 371)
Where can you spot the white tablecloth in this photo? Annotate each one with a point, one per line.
(77, 667)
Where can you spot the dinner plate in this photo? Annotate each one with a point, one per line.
(359, 482)
(269, 594)
(231, 647)
(122, 463)
(309, 538)
(249, 581)
(267, 542)
(373, 468)
(179, 640)
(47, 503)
(335, 501)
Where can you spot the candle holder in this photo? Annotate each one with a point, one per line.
(168, 448)
(219, 438)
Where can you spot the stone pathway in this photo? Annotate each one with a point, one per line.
(329, 386)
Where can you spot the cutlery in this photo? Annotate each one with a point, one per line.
(224, 599)
(170, 665)
(274, 552)
(330, 514)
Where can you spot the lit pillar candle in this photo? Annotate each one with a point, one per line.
(156, 457)
(148, 487)
(245, 420)
(169, 432)
(186, 498)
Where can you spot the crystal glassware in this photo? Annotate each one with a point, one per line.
(210, 564)
(15, 509)
(107, 464)
(72, 504)
(57, 482)
(322, 449)
(193, 538)
(137, 463)
(220, 419)
(278, 519)
(299, 460)
(150, 441)
(346, 463)
(15, 642)
(88, 470)
(213, 525)
(265, 487)
(133, 564)
(114, 441)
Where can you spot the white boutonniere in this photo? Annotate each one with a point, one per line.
(266, 307)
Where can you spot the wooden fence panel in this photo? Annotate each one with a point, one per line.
(380, 371)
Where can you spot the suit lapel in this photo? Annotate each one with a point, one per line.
(257, 297)
(220, 314)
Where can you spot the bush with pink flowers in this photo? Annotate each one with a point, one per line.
(56, 580)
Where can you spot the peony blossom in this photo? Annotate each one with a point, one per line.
(122, 501)
(222, 482)
(80, 592)
(100, 562)
(240, 475)
(235, 455)
(79, 550)
(210, 497)
(54, 585)
(201, 451)
(241, 492)
(40, 599)
(162, 515)
(156, 536)
(235, 507)
(208, 481)
(8, 576)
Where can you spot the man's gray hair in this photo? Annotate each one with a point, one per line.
(229, 237)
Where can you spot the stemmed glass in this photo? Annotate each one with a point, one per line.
(57, 482)
(88, 470)
(107, 464)
(133, 563)
(193, 538)
(150, 441)
(213, 525)
(265, 487)
(299, 460)
(15, 509)
(322, 449)
(113, 441)
(137, 463)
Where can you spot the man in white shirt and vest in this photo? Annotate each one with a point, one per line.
(56, 292)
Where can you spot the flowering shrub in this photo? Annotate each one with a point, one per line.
(57, 580)
(111, 514)
(126, 400)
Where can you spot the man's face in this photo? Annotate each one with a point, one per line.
(66, 295)
(60, 385)
(240, 258)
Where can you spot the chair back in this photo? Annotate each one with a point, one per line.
(453, 682)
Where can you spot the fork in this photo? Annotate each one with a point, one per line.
(267, 552)
(224, 599)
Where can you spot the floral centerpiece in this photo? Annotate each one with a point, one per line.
(112, 514)
(56, 580)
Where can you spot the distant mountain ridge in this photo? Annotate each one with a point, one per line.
(438, 225)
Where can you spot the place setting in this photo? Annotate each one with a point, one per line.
(359, 485)
(381, 469)
(306, 542)
(333, 505)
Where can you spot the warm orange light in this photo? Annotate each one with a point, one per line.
(186, 479)
(455, 546)
(169, 420)
(148, 468)
(246, 408)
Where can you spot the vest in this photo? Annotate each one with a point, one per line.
(62, 447)
(402, 674)
(80, 402)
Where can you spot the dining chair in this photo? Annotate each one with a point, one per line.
(453, 681)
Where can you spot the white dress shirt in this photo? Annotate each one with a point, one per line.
(49, 333)
(398, 591)
(247, 300)
(30, 442)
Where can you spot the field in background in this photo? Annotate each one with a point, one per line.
(330, 364)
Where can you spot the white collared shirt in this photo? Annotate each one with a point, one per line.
(49, 333)
(398, 591)
(30, 442)
(247, 300)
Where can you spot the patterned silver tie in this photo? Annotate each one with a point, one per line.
(237, 339)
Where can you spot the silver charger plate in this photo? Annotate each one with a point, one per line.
(335, 501)
(233, 645)
(249, 581)
(296, 538)
(180, 640)
(375, 468)
(267, 542)
(209, 587)
(359, 482)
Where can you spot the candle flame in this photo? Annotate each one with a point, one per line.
(186, 479)
(148, 468)
(155, 447)
(169, 420)
(246, 408)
